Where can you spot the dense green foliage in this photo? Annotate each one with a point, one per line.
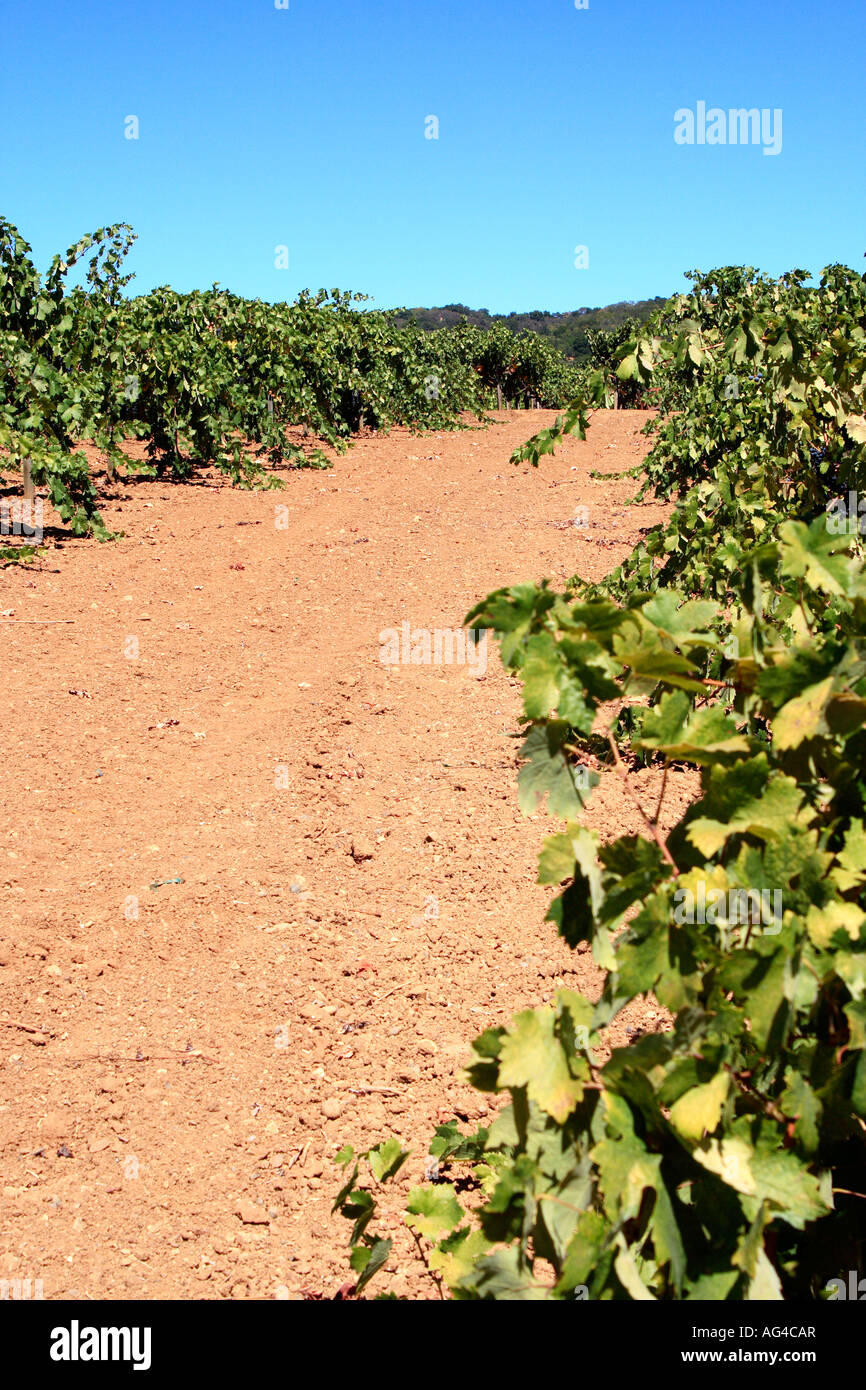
(209, 378)
(568, 333)
(723, 1157)
(523, 370)
(761, 389)
(48, 396)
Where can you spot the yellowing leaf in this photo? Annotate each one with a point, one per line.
(851, 860)
(532, 1056)
(458, 1254)
(627, 1273)
(729, 1159)
(811, 553)
(822, 923)
(856, 427)
(803, 717)
(765, 1287)
(769, 816)
(700, 1109)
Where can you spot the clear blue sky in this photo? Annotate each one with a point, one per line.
(304, 127)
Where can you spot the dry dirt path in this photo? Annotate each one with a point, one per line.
(223, 991)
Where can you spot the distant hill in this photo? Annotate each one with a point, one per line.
(567, 331)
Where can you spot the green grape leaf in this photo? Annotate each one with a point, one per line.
(433, 1211)
(533, 1056)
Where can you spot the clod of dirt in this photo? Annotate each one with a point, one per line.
(251, 1214)
(55, 1124)
(332, 1109)
(362, 849)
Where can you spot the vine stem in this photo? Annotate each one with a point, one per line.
(437, 1278)
(661, 793)
(651, 825)
(770, 1108)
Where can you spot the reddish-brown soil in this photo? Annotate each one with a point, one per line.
(261, 890)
